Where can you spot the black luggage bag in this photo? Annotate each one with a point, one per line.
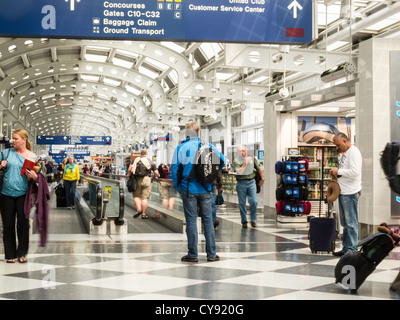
(322, 233)
(61, 199)
(373, 250)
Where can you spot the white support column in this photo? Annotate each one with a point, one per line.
(228, 133)
(271, 154)
(373, 130)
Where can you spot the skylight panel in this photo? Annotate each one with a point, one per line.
(112, 82)
(173, 46)
(123, 63)
(128, 53)
(333, 13)
(157, 64)
(92, 78)
(173, 75)
(133, 90)
(210, 49)
(95, 57)
(148, 72)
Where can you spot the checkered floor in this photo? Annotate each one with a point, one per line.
(270, 262)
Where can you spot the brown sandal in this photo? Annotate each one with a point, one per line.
(22, 260)
(137, 214)
(144, 216)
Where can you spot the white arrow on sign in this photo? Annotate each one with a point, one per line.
(295, 5)
(72, 6)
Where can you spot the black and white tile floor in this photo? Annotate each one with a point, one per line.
(270, 262)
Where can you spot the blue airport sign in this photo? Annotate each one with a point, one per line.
(254, 21)
(58, 158)
(74, 140)
(53, 140)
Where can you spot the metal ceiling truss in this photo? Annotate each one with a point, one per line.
(81, 119)
(51, 66)
(280, 59)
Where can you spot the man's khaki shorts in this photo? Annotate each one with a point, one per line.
(167, 190)
(143, 188)
(163, 188)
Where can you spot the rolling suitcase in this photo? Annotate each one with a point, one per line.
(363, 262)
(61, 199)
(322, 233)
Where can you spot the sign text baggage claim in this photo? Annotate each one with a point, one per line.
(146, 15)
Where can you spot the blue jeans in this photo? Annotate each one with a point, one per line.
(191, 202)
(214, 204)
(220, 198)
(247, 188)
(349, 220)
(70, 188)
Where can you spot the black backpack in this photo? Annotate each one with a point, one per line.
(389, 159)
(207, 163)
(141, 169)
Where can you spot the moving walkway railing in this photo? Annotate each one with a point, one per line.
(105, 198)
(165, 202)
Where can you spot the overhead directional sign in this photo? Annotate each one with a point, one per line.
(74, 140)
(258, 21)
(53, 140)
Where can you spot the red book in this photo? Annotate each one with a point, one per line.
(28, 164)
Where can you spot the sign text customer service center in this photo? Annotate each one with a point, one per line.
(264, 21)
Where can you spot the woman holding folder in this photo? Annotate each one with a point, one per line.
(15, 186)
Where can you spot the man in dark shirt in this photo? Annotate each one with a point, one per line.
(143, 182)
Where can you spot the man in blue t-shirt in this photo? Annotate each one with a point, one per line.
(194, 194)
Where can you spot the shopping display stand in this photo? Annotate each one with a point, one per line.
(292, 204)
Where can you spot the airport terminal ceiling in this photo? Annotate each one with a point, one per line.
(128, 89)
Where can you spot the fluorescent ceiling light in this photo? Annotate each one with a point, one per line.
(224, 76)
(385, 23)
(259, 79)
(337, 45)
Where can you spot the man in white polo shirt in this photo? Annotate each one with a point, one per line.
(349, 179)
